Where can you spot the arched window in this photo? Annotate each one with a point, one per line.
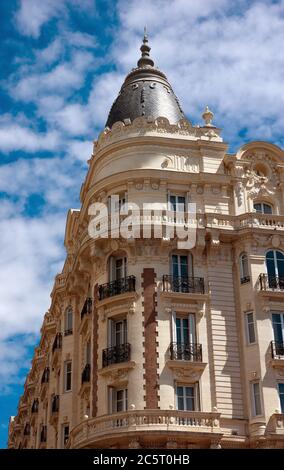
(68, 321)
(262, 208)
(244, 268)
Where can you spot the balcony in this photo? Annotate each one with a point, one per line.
(86, 374)
(144, 425)
(186, 352)
(245, 279)
(186, 359)
(116, 354)
(277, 354)
(120, 286)
(275, 426)
(271, 284)
(185, 285)
(57, 343)
(87, 307)
(35, 406)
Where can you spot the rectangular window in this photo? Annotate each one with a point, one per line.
(65, 434)
(117, 400)
(278, 327)
(88, 353)
(281, 396)
(117, 332)
(67, 376)
(250, 328)
(187, 397)
(177, 203)
(256, 399)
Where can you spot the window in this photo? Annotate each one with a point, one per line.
(65, 434)
(117, 268)
(176, 205)
(262, 208)
(67, 376)
(275, 269)
(250, 328)
(68, 321)
(117, 400)
(256, 400)
(183, 329)
(278, 331)
(117, 332)
(187, 397)
(88, 353)
(281, 396)
(244, 269)
(117, 201)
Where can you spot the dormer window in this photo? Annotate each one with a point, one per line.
(262, 208)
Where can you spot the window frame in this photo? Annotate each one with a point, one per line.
(253, 400)
(68, 330)
(63, 437)
(196, 395)
(247, 323)
(262, 207)
(66, 375)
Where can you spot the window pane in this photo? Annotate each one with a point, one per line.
(267, 209)
(185, 331)
(250, 326)
(257, 207)
(180, 403)
(257, 402)
(270, 266)
(183, 266)
(277, 328)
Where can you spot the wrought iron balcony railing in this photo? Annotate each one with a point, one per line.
(277, 350)
(86, 374)
(55, 404)
(186, 352)
(27, 429)
(45, 376)
(35, 406)
(267, 282)
(87, 307)
(43, 434)
(245, 279)
(188, 285)
(68, 332)
(57, 343)
(116, 354)
(126, 284)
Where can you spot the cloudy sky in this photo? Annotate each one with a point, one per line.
(62, 63)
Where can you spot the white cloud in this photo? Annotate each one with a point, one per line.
(33, 14)
(16, 137)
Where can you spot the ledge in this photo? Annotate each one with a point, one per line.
(117, 371)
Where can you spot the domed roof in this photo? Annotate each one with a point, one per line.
(145, 92)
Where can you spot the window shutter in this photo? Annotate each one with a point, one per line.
(174, 328)
(111, 269)
(191, 327)
(110, 333)
(110, 400)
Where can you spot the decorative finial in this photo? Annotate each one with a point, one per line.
(145, 58)
(208, 116)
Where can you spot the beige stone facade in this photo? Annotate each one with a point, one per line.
(149, 346)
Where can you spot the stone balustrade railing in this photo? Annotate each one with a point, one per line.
(275, 424)
(145, 420)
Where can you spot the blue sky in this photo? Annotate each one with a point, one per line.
(62, 64)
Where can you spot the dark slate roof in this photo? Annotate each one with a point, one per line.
(145, 92)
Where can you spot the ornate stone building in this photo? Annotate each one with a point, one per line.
(149, 345)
